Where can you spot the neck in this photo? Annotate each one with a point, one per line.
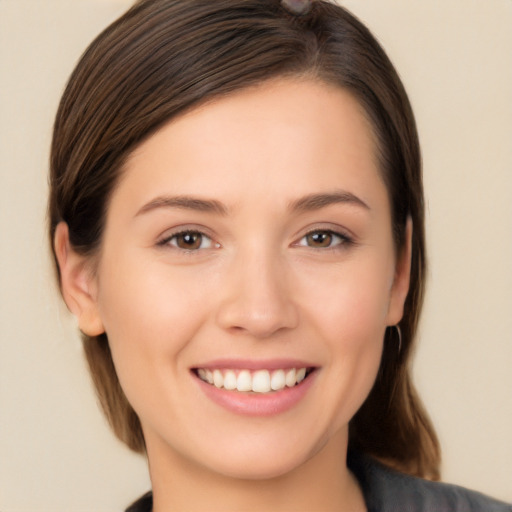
(321, 483)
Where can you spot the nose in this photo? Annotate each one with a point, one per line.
(256, 298)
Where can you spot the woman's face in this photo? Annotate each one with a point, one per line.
(247, 239)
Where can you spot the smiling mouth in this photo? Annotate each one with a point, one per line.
(259, 381)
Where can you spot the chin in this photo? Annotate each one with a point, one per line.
(266, 467)
(267, 458)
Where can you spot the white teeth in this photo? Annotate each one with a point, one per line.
(278, 380)
(260, 381)
(290, 378)
(218, 379)
(301, 374)
(230, 380)
(244, 381)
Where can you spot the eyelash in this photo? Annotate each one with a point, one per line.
(343, 240)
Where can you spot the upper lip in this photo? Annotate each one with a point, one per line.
(252, 364)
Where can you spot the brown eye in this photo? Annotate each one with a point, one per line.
(325, 239)
(319, 239)
(190, 241)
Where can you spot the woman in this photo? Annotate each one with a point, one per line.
(236, 213)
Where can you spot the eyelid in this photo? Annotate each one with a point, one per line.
(347, 239)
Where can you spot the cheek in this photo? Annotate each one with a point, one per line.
(355, 321)
(145, 299)
(146, 310)
(349, 315)
(350, 301)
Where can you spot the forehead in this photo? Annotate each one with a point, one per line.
(291, 135)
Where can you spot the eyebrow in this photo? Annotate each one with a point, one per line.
(304, 204)
(185, 203)
(318, 201)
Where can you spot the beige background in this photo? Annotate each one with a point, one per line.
(56, 453)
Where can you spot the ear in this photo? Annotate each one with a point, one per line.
(401, 279)
(78, 284)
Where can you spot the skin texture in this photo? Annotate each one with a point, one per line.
(255, 287)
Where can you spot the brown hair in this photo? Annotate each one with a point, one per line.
(164, 57)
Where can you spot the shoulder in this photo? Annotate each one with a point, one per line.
(386, 490)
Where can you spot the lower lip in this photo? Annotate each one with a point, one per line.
(257, 404)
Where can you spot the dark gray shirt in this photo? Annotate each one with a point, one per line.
(386, 490)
